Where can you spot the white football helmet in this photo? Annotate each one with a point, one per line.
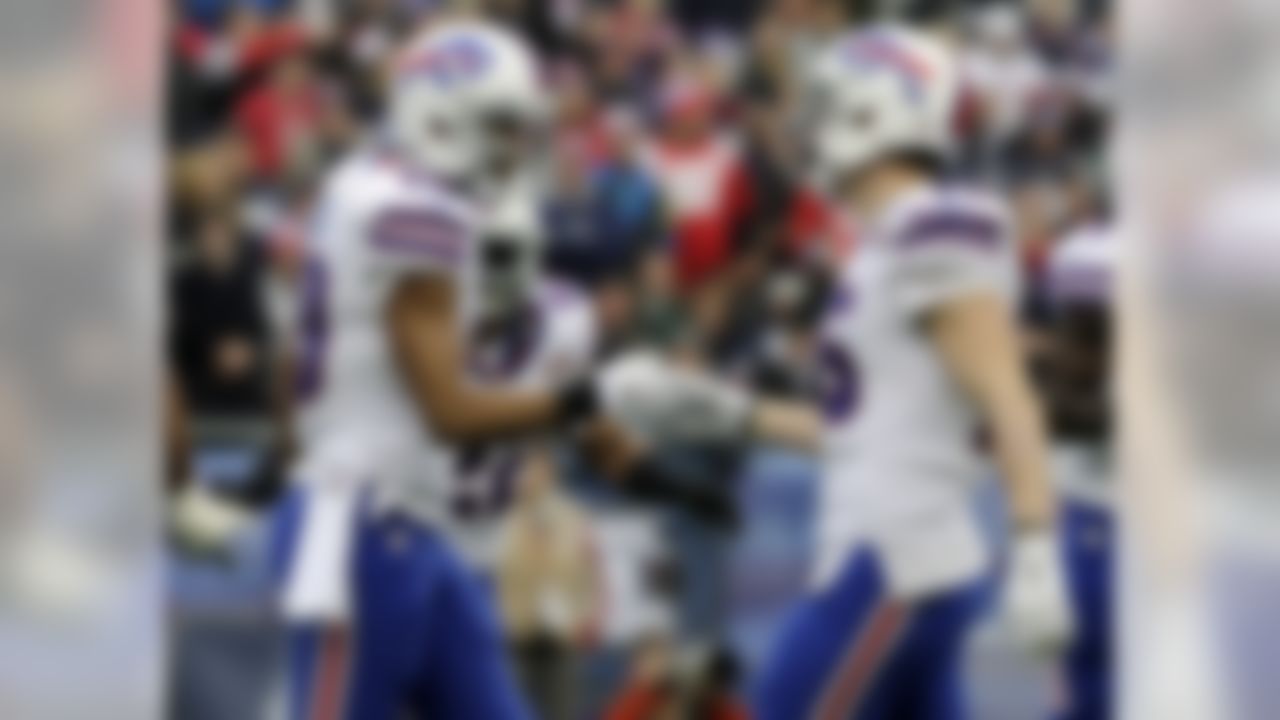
(511, 251)
(874, 92)
(466, 100)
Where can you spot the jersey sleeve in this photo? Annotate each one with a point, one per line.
(948, 253)
(408, 238)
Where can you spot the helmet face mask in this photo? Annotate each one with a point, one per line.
(511, 266)
(511, 254)
(513, 141)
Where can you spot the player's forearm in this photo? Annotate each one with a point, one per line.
(476, 414)
(429, 348)
(978, 342)
(458, 410)
(1018, 438)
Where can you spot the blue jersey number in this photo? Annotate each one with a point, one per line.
(486, 476)
(840, 381)
(314, 335)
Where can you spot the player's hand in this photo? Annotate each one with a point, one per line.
(1035, 601)
(662, 401)
(635, 390)
(202, 521)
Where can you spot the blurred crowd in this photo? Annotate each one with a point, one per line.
(676, 197)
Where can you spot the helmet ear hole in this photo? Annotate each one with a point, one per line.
(862, 119)
(438, 129)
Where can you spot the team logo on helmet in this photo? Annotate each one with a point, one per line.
(450, 63)
(877, 51)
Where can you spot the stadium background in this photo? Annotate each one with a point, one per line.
(675, 200)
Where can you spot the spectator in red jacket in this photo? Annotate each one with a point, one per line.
(284, 118)
(247, 43)
(694, 161)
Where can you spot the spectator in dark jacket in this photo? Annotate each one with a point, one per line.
(220, 339)
(602, 216)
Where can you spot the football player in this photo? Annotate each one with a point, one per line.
(920, 358)
(385, 616)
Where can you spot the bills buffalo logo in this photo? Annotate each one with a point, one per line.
(451, 63)
(875, 51)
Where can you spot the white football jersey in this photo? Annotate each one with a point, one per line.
(903, 451)
(376, 222)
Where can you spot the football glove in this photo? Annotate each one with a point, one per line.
(203, 521)
(661, 401)
(1035, 601)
